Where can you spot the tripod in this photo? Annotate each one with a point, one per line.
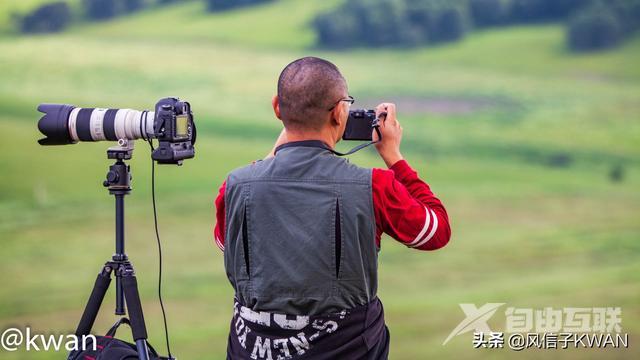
(118, 181)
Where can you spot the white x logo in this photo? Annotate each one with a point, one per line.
(476, 319)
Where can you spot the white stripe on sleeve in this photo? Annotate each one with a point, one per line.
(427, 221)
(219, 243)
(431, 233)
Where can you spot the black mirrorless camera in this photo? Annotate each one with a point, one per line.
(360, 125)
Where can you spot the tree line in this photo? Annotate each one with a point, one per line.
(57, 15)
(590, 24)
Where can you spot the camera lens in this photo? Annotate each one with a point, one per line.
(66, 124)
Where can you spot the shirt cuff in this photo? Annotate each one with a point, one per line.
(402, 170)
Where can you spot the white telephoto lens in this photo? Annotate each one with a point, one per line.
(96, 127)
(88, 124)
(119, 123)
(73, 117)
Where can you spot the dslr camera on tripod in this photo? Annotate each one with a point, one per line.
(171, 124)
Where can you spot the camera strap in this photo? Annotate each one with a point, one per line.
(375, 124)
(322, 145)
(376, 127)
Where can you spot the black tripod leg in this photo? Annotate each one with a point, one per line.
(138, 328)
(95, 300)
(120, 310)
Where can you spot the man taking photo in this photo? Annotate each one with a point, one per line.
(301, 229)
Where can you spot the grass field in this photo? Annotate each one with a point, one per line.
(485, 121)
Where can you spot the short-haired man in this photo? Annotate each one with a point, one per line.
(301, 229)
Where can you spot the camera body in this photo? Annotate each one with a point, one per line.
(360, 125)
(174, 128)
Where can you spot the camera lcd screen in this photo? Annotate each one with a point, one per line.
(182, 126)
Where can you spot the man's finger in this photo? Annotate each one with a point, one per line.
(391, 110)
(374, 135)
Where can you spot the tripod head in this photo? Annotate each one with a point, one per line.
(118, 179)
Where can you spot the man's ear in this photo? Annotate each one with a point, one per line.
(338, 115)
(275, 102)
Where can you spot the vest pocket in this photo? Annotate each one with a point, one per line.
(245, 241)
(338, 239)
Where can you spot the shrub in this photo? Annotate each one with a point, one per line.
(133, 5)
(223, 5)
(561, 9)
(616, 173)
(100, 9)
(450, 24)
(50, 17)
(337, 29)
(392, 23)
(381, 24)
(594, 27)
(559, 160)
(628, 13)
(489, 12)
(531, 10)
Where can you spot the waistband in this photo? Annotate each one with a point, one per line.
(348, 334)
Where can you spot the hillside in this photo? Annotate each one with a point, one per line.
(516, 135)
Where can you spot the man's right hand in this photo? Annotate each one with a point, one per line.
(389, 146)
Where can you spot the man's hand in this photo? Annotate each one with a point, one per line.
(389, 147)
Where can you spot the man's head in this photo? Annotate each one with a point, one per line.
(308, 89)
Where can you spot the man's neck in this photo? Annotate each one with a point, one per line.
(301, 136)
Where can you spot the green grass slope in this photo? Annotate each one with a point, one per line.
(483, 120)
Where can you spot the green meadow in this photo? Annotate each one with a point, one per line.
(517, 136)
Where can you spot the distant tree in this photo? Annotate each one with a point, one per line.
(100, 9)
(560, 160)
(451, 24)
(50, 17)
(489, 12)
(381, 25)
(500, 12)
(376, 23)
(531, 10)
(222, 5)
(593, 28)
(628, 13)
(561, 9)
(392, 23)
(133, 5)
(616, 173)
(357, 22)
(338, 29)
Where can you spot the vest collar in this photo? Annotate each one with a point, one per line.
(304, 143)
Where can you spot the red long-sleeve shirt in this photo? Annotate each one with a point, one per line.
(405, 208)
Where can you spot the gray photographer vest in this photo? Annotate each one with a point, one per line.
(300, 233)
